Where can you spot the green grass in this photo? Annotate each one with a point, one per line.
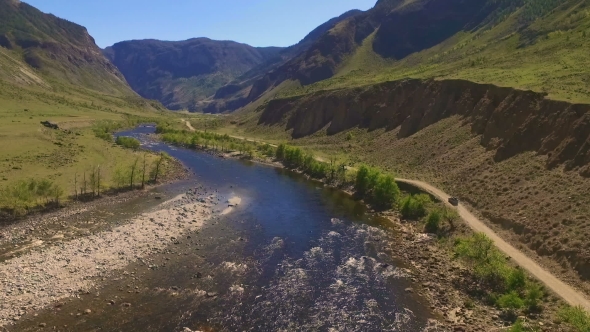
(29, 150)
(577, 318)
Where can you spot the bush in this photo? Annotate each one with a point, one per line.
(577, 317)
(487, 262)
(534, 294)
(280, 153)
(516, 280)
(366, 179)
(386, 192)
(104, 129)
(517, 327)
(433, 222)
(414, 206)
(22, 195)
(510, 301)
(128, 142)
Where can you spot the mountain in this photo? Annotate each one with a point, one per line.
(182, 73)
(43, 49)
(201, 74)
(237, 93)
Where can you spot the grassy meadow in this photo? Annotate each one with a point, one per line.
(29, 150)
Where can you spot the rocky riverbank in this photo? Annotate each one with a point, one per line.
(50, 272)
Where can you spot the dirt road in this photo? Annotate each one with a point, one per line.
(560, 288)
(188, 124)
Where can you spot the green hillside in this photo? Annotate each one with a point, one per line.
(51, 70)
(532, 45)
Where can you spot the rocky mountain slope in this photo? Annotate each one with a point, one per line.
(181, 74)
(44, 50)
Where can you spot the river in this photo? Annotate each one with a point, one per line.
(293, 256)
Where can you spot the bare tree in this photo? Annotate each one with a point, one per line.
(84, 184)
(143, 171)
(76, 185)
(132, 175)
(98, 180)
(93, 182)
(158, 166)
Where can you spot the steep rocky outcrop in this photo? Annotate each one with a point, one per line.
(509, 121)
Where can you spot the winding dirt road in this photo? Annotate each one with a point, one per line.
(567, 293)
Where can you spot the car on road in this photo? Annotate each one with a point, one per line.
(454, 201)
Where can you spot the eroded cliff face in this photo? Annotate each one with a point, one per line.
(508, 121)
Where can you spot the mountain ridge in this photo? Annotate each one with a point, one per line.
(180, 73)
(58, 49)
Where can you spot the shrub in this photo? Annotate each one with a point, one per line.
(487, 262)
(516, 280)
(386, 192)
(577, 317)
(433, 222)
(510, 301)
(518, 327)
(104, 129)
(349, 136)
(366, 179)
(414, 206)
(128, 142)
(534, 294)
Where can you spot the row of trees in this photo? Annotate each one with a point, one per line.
(23, 195)
(139, 173)
(210, 141)
(296, 158)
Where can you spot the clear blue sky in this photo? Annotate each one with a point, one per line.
(255, 22)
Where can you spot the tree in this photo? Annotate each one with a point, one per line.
(280, 154)
(57, 193)
(366, 179)
(83, 190)
(143, 170)
(158, 166)
(120, 177)
(93, 182)
(98, 180)
(132, 174)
